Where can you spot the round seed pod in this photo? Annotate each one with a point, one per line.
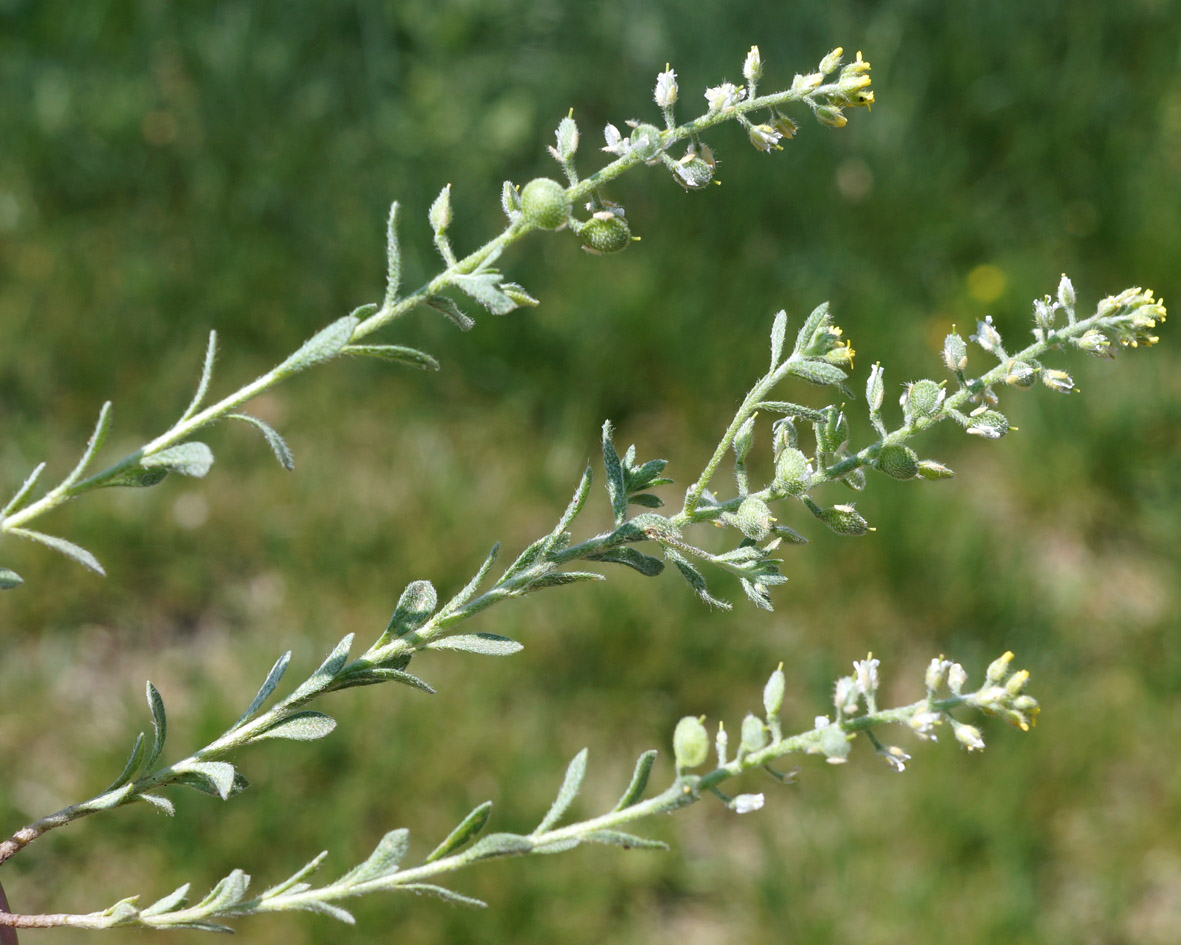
(690, 742)
(898, 461)
(544, 203)
(605, 232)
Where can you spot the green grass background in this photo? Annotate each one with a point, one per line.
(170, 168)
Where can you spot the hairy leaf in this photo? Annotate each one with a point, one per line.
(571, 785)
(189, 459)
(471, 825)
(60, 545)
(301, 727)
(639, 781)
(399, 354)
(486, 644)
(383, 861)
(274, 440)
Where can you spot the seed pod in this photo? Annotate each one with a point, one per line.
(690, 742)
(922, 399)
(605, 233)
(754, 734)
(544, 203)
(898, 461)
(791, 471)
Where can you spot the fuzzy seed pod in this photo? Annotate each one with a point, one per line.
(690, 742)
(605, 233)
(898, 461)
(544, 203)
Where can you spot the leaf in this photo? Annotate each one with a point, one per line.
(442, 303)
(484, 287)
(561, 578)
(9, 579)
(639, 781)
(300, 727)
(393, 257)
(471, 825)
(486, 644)
(559, 846)
(176, 898)
(510, 200)
(325, 908)
(616, 487)
(811, 324)
(327, 672)
(694, 578)
(22, 493)
(818, 372)
(571, 785)
(267, 687)
(132, 765)
(206, 377)
(381, 674)
(778, 335)
(101, 428)
(383, 861)
(295, 878)
(629, 841)
(527, 558)
(470, 588)
(501, 844)
(60, 545)
(577, 501)
(323, 346)
(645, 564)
(276, 442)
(415, 607)
(229, 891)
(136, 477)
(161, 804)
(159, 723)
(399, 354)
(646, 500)
(209, 777)
(189, 459)
(442, 892)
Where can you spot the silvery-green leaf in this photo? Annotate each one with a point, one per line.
(443, 893)
(484, 287)
(295, 879)
(23, 492)
(206, 377)
(9, 579)
(132, 765)
(267, 687)
(325, 345)
(328, 670)
(518, 295)
(161, 804)
(646, 500)
(778, 334)
(559, 846)
(399, 354)
(136, 477)
(200, 925)
(444, 304)
(383, 861)
(159, 722)
(645, 564)
(471, 825)
(93, 445)
(818, 372)
(175, 899)
(628, 841)
(381, 674)
(470, 588)
(639, 781)
(393, 257)
(301, 727)
(189, 459)
(501, 844)
(415, 607)
(60, 545)
(325, 908)
(209, 777)
(229, 891)
(276, 442)
(811, 324)
(793, 410)
(694, 578)
(528, 557)
(562, 578)
(486, 644)
(571, 785)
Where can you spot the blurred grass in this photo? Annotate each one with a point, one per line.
(172, 168)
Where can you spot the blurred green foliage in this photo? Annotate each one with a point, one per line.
(170, 168)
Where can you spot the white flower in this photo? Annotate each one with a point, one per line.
(895, 757)
(666, 89)
(866, 671)
(724, 96)
(956, 677)
(746, 803)
(923, 724)
(969, 736)
(616, 143)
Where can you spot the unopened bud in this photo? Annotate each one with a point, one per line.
(831, 61)
(998, 669)
(752, 68)
(666, 88)
(832, 117)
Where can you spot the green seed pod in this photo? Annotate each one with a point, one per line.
(754, 518)
(773, 692)
(791, 471)
(544, 203)
(929, 469)
(754, 734)
(898, 461)
(989, 424)
(690, 742)
(645, 142)
(604, 233)
(844, 520)
(922, 399)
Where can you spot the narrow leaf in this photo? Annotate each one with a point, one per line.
(559, 846)
(93, 445)
(381, 674)
(325, 345)
(393, 256)
(486, 644)
(810, 326)
(415, 607)
(60, 545)
(442, 892)
(201, 926)
(323, 676)
(129, 769)
(577, 501)
(561, 578)
(471, 825)
(527, 558)
(616, 487)
(778, 334)
(175, 899)
(159, 723)
(473, 585)
(628, 841)
(571, 785)
(9, 579)
(189, 459)
(161, 804)
(818, 372)
(229, 891)
(639, 781)
(206, 377)
(444, 304)
(325, 908)
(276, 442)
(484, 287)
(199, 781)
(645, 564)
(793, 410)
(295, 878)
(300, 727)
(501, 844)
(646, 500)
(694, 579)
(23, 492)
(136, 477)
(383, 861)
(267, 687)
(399, 354)
(215, 777)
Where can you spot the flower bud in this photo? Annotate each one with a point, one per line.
(969, 736)
(773, 692)
(936, 674)
(605, 233)
(956, 677)
(784, 125)
(764, 137)
(752, 68)
(544, 203)
(898, 461)
(831, 61)
(1017, 682)
(1060, 381)
(998, 669)
(832, 117)
(747, 803)
(1066, 297)
(666, 88)
(690, 742)
(1021, 374)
